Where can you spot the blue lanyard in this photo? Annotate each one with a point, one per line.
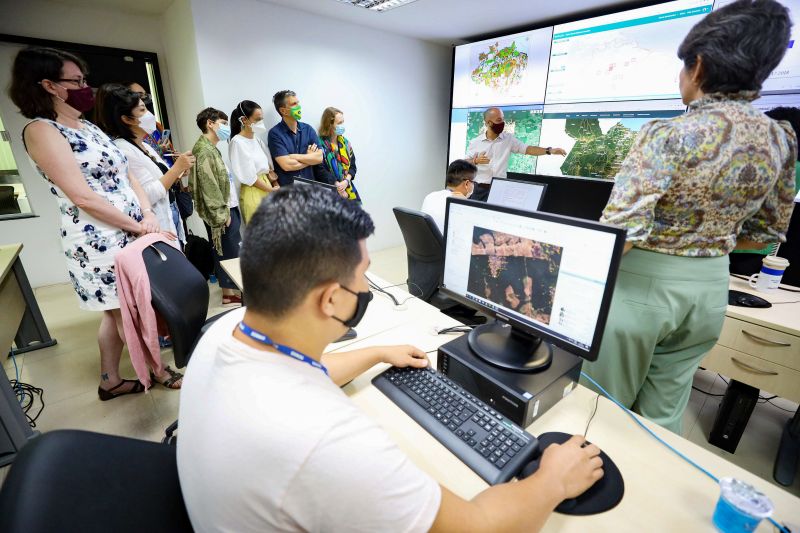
(285, 350)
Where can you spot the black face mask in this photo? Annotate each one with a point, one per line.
(363, 300)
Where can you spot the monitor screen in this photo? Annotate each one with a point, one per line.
(629, 55)
(307, 182)
(525, 195)
(547, 275)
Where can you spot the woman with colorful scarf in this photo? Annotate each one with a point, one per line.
(338, 154)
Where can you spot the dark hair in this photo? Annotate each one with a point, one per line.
(790, 115)
(207, 114)
(299, 238)
(114, 101)
(740, 44)
(279, 99)
(31, 66)
(245, 109)
(460, 170)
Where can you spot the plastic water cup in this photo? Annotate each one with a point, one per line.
(741, 507)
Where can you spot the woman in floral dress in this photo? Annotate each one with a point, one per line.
(101, 210)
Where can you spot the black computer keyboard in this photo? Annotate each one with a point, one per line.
(490, 444)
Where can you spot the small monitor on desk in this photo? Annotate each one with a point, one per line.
(525, 195)
(543, 277)
(304, 182)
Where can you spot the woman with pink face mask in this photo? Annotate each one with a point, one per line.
(101, 210)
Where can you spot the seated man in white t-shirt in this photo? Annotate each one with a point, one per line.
(269, 442)
(460, 183)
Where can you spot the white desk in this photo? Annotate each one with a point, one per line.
(662, 492)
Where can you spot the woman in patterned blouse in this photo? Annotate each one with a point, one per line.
(101, 210)
(692, 189)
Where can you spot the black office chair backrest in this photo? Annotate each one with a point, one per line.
(78, 481)
(425, 250)
(179, 294)
(8, 203)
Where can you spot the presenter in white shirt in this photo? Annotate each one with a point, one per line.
(270, 442)
(460, 183)
(490, 152)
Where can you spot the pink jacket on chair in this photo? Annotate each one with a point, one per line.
(139, 319)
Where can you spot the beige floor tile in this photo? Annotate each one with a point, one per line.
(130, 416)
(391, 264)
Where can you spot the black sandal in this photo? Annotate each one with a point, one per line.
(109, 394)
(174, 376)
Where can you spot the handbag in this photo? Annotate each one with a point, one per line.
(184, 201)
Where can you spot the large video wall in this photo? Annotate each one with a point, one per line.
(588, 86)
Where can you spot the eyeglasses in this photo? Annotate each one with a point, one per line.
(146, 98)
(80, 82)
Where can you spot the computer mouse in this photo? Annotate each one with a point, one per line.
(745, 299)
(600, 497)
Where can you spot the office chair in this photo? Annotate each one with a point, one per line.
(425, 251)
(8, 202)
(179, 294)
(79, 481)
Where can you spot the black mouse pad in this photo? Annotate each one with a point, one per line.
(602, 496)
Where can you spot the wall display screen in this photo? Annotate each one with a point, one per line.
(589, 86)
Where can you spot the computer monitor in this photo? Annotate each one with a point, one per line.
(543, 277)
(525, 195)
(574, 197)
(305, 182)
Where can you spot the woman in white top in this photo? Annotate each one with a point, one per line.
(122, 114)
(251, 162)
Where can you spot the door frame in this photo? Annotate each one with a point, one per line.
(151, 57)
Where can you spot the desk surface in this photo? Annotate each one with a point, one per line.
(783, 317)
(8, 254)
(662, 493)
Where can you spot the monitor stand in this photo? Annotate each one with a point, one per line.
(503, 346)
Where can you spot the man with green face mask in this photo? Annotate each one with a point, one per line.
(293, 144)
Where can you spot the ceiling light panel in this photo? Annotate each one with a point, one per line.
(377, 5)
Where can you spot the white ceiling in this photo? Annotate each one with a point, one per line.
(450, 21)
(441, 21)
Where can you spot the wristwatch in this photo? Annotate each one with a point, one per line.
(548, 150)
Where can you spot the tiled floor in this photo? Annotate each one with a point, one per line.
(68, 372)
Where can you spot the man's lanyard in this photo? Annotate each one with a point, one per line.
(285, 350)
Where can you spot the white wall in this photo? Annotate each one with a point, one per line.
(393, 90)
(42, 255)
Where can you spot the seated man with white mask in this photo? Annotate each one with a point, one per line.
(269, 442)
(460, 184)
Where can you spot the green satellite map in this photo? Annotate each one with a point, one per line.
(596, 155)
(500, 68)
(524, 125)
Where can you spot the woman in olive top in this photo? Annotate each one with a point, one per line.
(691, 190)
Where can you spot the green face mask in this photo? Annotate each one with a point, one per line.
(297, 112)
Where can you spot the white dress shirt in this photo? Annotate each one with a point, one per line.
(498, 151)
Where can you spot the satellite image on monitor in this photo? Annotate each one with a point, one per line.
(500, 68)
(597, 154)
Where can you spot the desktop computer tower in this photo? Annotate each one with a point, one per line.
(734, 412)
(521, 397)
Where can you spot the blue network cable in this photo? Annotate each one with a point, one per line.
(665, 443)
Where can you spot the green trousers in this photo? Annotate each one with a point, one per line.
(667, 312)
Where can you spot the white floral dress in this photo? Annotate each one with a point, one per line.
(89, 244)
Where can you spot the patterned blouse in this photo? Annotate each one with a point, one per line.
(693, 184)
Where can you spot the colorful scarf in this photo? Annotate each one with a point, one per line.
(338, 162)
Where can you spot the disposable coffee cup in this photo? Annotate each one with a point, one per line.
(768, 279)
(741, 507)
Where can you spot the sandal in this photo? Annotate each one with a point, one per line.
(109, 394)
(232, 299)
(174, 377)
